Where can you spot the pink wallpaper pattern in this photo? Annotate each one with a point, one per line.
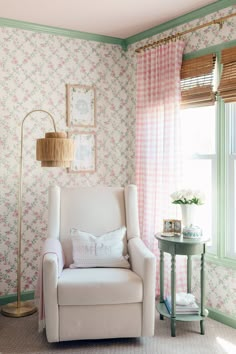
(34, 68)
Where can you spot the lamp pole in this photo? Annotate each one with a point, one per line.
(25, 308)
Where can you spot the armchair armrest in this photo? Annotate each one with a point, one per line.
(52, 266)
(143, 262)
(142, 259)
(52, 246)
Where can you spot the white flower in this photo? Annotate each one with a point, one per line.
(176, 195)
(188, 196)
(199, 195)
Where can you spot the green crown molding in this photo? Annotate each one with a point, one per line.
(5, 22)
(203, 11)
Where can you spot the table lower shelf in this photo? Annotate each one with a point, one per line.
(161, 308)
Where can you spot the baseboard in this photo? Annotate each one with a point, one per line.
(221, 317)
(27, 295)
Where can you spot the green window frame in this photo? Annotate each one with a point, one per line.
(222, 151)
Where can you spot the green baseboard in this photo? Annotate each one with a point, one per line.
(6, 299)
(221, 317)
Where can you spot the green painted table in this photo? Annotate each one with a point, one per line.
(177, 245)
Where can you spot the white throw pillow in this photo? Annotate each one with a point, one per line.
(108, 250)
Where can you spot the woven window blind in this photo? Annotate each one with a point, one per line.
(227, 87)
(197, 81)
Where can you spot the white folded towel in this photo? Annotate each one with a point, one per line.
(184, 299)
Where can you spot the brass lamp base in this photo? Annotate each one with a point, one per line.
(26, 308)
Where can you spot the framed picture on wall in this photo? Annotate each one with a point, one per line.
(81, 106)
(85, 152)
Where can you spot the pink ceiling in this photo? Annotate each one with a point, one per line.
(116, 18)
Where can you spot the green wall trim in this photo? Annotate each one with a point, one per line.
(203, 11)
(5, 22)
(124, 45)
(27, 295)
(221, 317)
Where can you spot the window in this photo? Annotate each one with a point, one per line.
(198, 128)
(209, 153)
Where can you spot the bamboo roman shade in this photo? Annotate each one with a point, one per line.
(197, 81)
(227, 87)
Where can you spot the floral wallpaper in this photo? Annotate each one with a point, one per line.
(221, 281)
(34, 69)
(220, 287)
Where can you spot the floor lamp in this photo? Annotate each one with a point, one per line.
(55, 150)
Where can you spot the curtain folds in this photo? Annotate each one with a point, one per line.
(158, 155)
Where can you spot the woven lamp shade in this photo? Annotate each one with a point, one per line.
(55, 150)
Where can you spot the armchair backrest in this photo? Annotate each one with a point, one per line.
(96, 210)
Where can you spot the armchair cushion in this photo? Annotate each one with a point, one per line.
(108, 250)
(99, 286)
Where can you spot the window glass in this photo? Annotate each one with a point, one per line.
(230, 115)
(198, 174)
(198, 130)
(199, 163)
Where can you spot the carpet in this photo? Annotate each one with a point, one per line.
(20, 335)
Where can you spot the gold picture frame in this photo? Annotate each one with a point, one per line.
(85, 158)
(172, 226)
(80, 106)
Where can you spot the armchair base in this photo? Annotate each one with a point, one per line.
(100, 321)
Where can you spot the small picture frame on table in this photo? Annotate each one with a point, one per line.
(85, 152)
(81, 106)
(171, 227)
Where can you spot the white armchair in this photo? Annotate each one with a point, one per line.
(93, 303)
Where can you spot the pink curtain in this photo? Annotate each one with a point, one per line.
(158, 155)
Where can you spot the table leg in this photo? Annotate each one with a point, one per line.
(189, 274)
(173, 296)
(161, 280)
(202, 324)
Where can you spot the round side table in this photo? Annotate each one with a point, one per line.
(177, 245)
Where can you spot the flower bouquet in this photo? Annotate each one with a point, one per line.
(189, 200)
(188, 196)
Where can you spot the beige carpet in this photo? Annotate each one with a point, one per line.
(21, 336)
